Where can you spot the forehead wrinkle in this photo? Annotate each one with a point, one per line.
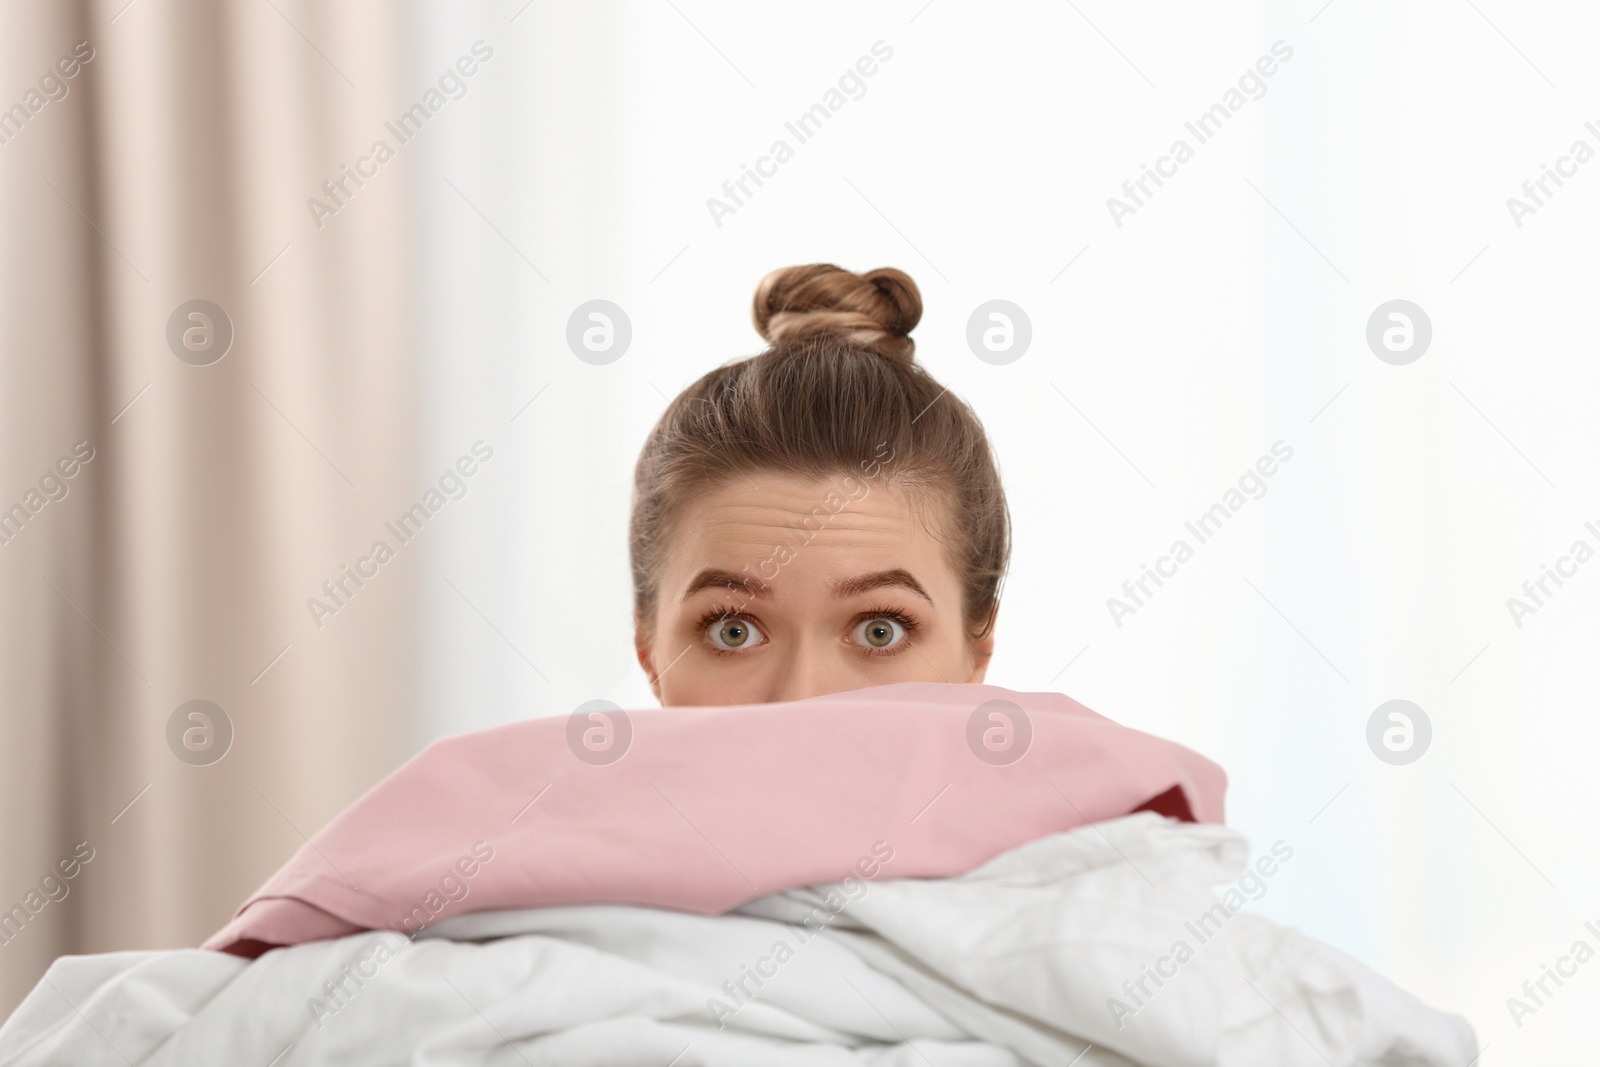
(766, 518)
(720, 530)
(798, 544)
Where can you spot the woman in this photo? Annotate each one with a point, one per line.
(821, 517)
(818, 519)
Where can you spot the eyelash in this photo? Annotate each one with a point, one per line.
(910, 625)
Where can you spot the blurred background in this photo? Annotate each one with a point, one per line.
(276, 275)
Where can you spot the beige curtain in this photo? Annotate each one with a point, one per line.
(207, 501)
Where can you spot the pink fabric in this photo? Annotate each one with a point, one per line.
(713, 806)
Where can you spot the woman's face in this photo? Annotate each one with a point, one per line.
(780, 588)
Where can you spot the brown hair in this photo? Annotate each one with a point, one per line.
(837, 391)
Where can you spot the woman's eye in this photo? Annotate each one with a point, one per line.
(733, 634)
(880, 634)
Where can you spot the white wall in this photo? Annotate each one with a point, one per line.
(1225, 315)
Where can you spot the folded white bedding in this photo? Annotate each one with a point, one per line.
(1043, 956)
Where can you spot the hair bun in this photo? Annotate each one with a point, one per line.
(876, 310)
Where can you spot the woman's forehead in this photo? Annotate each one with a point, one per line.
(774, 528)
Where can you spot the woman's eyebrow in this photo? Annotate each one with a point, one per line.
(711, 577)
(845, 587)
(865, 583)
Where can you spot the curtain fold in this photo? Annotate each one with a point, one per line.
(153, 203)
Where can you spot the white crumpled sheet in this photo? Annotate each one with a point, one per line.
(1013, 963)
